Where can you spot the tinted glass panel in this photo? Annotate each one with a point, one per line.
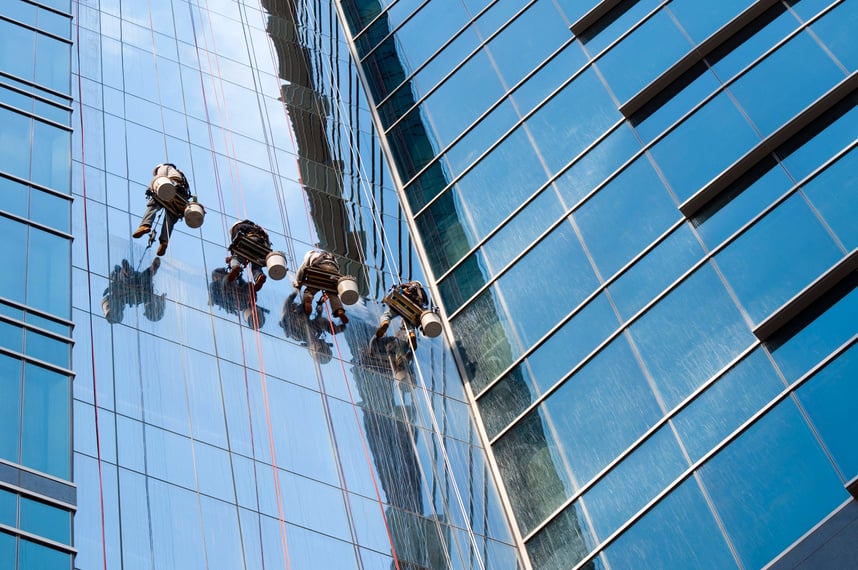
(690, 335)
(46, 417)
(625, 216)
(763, 519)
(652, 466)
(657, 538)
(726, 404)
(45, 520)
(777, 257)
(831, 401)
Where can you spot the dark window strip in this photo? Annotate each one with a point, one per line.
(37, 312)
(35, 85)
(39, 484)
(809, 303)
(692, 58)
(733, 173)
(37, 30)
(589, 19)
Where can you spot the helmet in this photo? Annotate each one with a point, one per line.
(155, 170)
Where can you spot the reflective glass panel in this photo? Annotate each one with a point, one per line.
(825, 326)
(784, 83)
(777, 257)
(601, 410)
(635, 481)
(761, 518)
(643, 55)
(697, 543)
(46, 520)
(727, 134)
(690, 334)
(625, 216)
(830, 400)
(727, 404)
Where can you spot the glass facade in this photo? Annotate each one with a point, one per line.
(37, 496)
(215, 427)
(639, 219)
(636, 218)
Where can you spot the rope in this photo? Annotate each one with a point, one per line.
(263, 376)
(360, 430)
(89, 286)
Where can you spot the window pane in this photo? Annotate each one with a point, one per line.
(7, 550)
(51, 157)
(831, 401)
(34, 555)
(834, 193)
(15, 142)
(785, 82)
(53, 63)
(725, 405)
(625, 216)
(563, 543)
(634, 482)
(545, 366)
(8, 508)
(558, 259)
(48, 275)
(643, 55)
(601, 410)
(743, 200)
(45, 520)
(777, 257)
(50, 210)
(658, 269)
(801, 350)
(690, 335)
(727, 134)
(10, 407)
(532, 470)
(47, 428)
(835, 31)
(760, 494)
(696, 543)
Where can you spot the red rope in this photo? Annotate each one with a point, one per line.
(89, 287)
(263, 382)
(363, 440)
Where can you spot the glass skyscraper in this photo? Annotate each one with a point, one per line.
(636, 218)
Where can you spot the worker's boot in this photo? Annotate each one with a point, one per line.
(260, 281)
(141, 231)
(382, 329)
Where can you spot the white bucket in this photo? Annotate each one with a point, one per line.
(430, 324)
(194, 215)
(276, 264)
(164, 188)
(347, 289)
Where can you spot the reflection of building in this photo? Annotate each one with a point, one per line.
(200, 442)
(641, 231)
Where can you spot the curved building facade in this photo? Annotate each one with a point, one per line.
(639, 218)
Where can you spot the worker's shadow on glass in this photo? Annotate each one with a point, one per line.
(131, 287)
(311, 331)
(389, 354)
(236, 297)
